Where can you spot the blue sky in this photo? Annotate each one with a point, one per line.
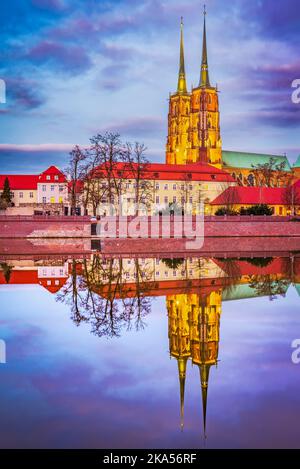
(75, 68)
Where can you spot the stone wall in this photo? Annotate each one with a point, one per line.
(44, 227)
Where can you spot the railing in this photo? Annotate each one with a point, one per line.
(207, 218)
(252, 218)
(61, 218)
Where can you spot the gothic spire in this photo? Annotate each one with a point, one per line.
(204, 375)
(181, 87)
(204, 76)
(182, 373)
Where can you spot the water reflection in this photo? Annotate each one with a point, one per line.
(113, 295)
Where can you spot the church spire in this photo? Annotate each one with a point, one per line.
(204, 375)
(182, 373)
(204, 77)
(181, 87)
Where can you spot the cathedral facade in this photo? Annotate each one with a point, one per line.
(194, 118)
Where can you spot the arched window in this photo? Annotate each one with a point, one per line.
(250, 179)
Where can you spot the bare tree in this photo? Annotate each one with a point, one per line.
(269, 174)
(111, 154)
(291, 196)
(138, 167)
(75, 172)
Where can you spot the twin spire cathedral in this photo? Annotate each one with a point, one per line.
(194, 118)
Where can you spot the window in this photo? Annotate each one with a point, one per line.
(174, 199)
(250, 179)
(52, 200)
(56, 282)
(31, 195)
(166, 187)
(191, 187)
(157, 273)
(157, 187)
(56, 177)
(61, 271)
(48, 177)
(12, 194)
(191, 200)
(174, 187)
(60, 200)
(182, 187)
(61, 188)
(44, 200)
(48, 282)
(52, 188)
(157, 199)
(44, 187)
(174, 273)
(166, 273)
(21, 195)
(157, 261)
(166, 199)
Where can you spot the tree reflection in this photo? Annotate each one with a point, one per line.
(97, 295)
(269, 285)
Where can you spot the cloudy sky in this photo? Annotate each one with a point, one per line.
(74, 68)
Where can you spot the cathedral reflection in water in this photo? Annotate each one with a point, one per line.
(112, 294)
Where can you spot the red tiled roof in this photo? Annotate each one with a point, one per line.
(168, 172)
(252, 195)
(52, 171)
(19, 181)
(29, 277)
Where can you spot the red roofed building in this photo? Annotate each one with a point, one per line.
(284, 200)
(52, 187)
(49, 187)
(166, 184)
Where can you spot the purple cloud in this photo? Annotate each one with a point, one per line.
(69, 59)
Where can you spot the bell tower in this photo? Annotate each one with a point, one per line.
(178, 117)
(194, 118)
(206, 144)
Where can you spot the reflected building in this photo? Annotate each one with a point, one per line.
(113, 294)
(194, 334)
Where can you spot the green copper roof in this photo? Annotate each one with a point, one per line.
(240, 292)
(237, 159)
(297, 287)
(297, 162)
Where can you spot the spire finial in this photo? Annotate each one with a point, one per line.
(181, 87)
(204, 375)
(182, 362)
(204, 77)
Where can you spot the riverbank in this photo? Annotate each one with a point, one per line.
(147, 229)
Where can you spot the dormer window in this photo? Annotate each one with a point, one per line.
(213, 176)
(48, 177)
(56, 177)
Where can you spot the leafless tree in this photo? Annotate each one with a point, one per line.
(269, 174)
(75, 173)
(138, 167)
